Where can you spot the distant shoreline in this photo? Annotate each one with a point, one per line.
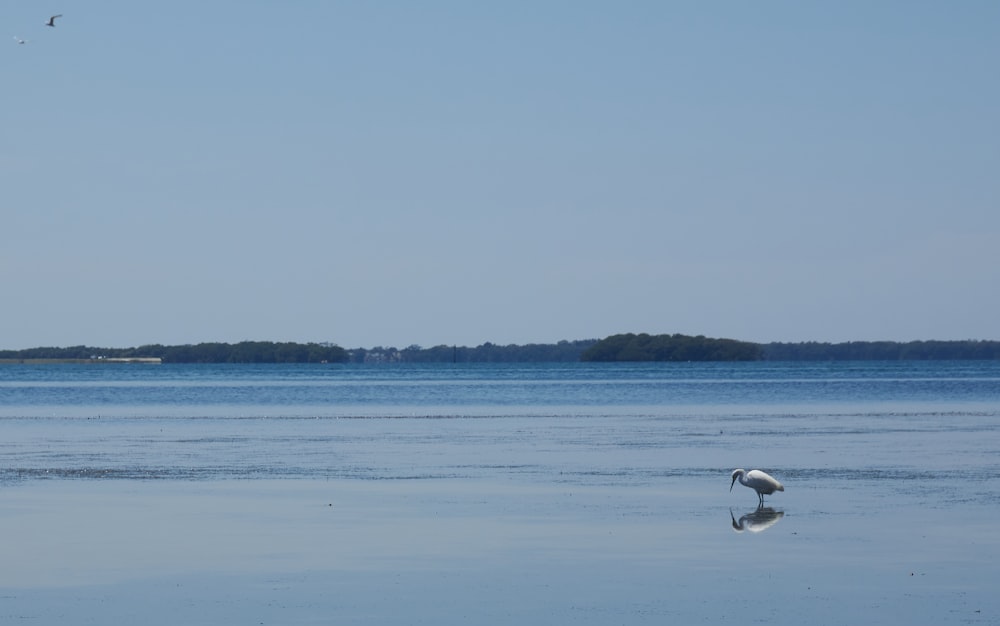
(628, 347)
(139, 360)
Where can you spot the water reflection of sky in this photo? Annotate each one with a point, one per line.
(296, 391)
(458, 507)
(486, 552)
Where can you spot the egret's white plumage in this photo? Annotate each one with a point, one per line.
(757, 480)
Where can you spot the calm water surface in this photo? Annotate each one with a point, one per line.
(497, 494)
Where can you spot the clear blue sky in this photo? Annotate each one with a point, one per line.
(454, 172)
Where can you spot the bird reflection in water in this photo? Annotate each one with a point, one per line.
(756, 521)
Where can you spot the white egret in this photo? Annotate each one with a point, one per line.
(757, 480)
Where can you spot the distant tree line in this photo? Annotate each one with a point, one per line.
(563, 351)
(882, 351)
(644, 347)
(623, 347)
(243, 352)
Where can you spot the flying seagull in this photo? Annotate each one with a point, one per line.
(19, 40)
(52, 20)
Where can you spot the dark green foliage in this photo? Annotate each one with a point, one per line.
(883, 351)
(243, 352)
(625, 347)
(561, 352)
(644, 347)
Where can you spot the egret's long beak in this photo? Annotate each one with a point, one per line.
(732, 483)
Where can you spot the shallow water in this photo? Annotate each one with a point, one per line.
(499, 494)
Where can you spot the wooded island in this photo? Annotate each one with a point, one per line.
(621, 347)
